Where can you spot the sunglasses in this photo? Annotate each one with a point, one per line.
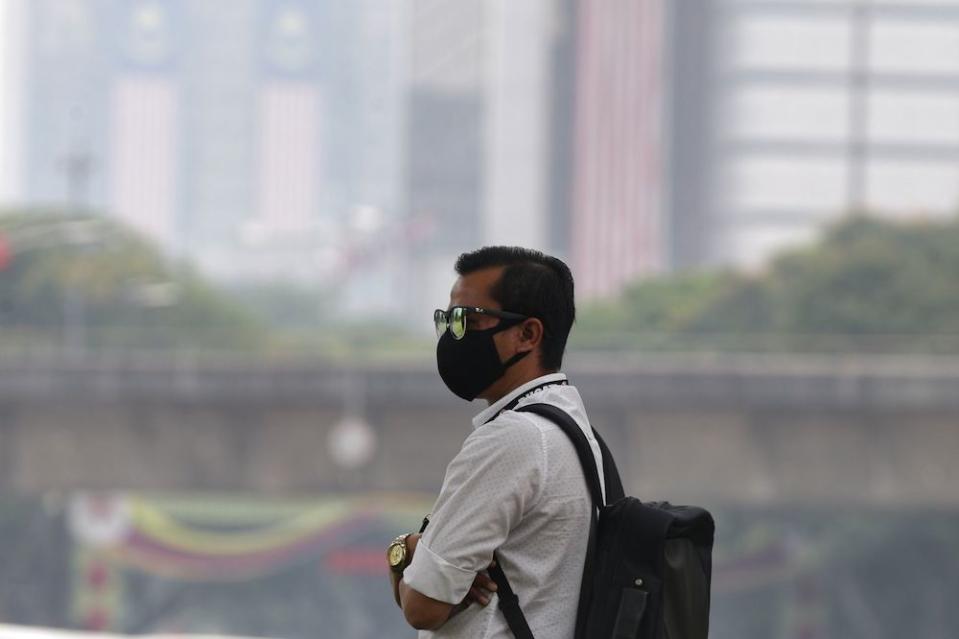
(454, 320)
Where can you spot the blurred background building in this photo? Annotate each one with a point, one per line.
(225, 224)
(226, 133)
(819, 108)
(631, 137)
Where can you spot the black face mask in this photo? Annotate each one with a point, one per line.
(470, 365)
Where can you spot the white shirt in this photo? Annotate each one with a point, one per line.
(517, 488)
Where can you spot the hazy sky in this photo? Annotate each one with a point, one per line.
(9, 134)
(3, 100)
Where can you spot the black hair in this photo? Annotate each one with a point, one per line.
(533, 284)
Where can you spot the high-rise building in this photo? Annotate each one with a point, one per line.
(65, 126)
(562, 63)
(618, 225)
(444, 150)
(761, 122)
(11, 100)
(541, 124)
(145, 112)
(690, 107)
(518, 102)
(260, 138)
(480, 124)
(818, 109)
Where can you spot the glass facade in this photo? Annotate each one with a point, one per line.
(826, 107)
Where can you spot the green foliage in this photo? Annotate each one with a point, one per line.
(285, 306)
(90, 280)
(868, 285)
(308, 321)
(650, 313)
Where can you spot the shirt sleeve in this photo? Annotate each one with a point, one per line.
(493, 481)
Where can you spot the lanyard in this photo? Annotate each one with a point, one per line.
(517, 400)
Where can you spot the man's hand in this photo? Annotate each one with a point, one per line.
(483, 586)
(425, 613)
(481, 589)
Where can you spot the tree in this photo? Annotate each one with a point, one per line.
(868, 284)
(101, 283)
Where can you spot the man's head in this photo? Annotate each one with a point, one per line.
(520, 281)
(529, 283)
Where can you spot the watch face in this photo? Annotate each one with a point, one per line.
(397, 554)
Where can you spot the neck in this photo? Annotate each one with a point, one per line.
(512, 380)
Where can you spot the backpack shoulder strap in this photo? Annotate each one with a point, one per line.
(509, 603)
(614, 486)
(614, 491)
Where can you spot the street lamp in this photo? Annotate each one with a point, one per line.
(352, 442)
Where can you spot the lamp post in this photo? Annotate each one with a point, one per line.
(352, 441)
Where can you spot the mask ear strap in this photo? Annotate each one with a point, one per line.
(503, 325)
(506, 324)
(515, 358)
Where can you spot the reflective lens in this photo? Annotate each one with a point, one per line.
(457, 321)
(453, 319)
(439, 321)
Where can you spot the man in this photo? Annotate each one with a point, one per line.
(516, 488)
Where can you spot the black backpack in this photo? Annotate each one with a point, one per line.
(648, 566)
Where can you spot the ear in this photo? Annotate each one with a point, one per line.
(530, 334)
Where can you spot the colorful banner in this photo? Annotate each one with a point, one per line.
(222, 540)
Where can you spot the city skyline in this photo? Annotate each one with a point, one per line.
(629, 138)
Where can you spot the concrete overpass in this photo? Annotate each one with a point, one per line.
(756, 430)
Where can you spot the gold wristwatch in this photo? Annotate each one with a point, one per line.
(396, 554)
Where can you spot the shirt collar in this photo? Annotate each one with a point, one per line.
(487, 413)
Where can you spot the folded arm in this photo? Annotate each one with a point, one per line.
(426, 613)
(494, 479)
